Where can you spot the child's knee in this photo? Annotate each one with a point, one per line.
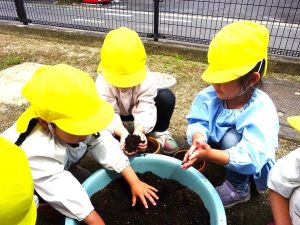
(230, 139)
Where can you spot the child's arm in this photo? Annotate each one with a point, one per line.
(199, 149)
(93, 219)
(145, 111)
(204, 151)
(283, 180)
(139, 188)
(106, 151)
(122, 132)
(280, 208)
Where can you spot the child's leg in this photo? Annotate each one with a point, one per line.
(128, 123)
(235, 188)
(295, 206)
(165, 104)
(238, 180)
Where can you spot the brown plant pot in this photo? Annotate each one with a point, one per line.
(200, 164)
(153, 146)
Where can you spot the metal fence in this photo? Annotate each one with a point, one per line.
(190, 21)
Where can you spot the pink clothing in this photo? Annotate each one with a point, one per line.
(137, 101)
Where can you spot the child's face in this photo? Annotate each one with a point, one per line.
(68, 138)
(229, 90)
(124, 89)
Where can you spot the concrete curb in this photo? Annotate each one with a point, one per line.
(282, 64)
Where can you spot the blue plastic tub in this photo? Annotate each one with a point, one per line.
(165, 167)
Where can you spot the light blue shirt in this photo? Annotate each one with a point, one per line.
(256, 121)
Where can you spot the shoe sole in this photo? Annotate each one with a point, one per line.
(235, 203)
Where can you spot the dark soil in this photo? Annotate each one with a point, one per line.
(131, 142)
(177, 205)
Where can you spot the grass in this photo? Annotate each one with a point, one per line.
(18, 46)
(10, 60)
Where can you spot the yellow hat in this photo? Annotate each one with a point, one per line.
(17, 206)
(294, 121)
(235, 50)
(123, 58)
(66, 96)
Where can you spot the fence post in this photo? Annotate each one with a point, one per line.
(21, 11)
(156, 19)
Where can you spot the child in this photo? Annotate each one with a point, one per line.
(284, 185)
(17, 206)
(65, 119)
(126, 83)
(233, 115)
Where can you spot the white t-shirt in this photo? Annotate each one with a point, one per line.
(49, 159)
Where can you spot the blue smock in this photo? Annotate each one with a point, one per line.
(257, 122)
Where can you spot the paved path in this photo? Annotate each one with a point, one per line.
(286, 97)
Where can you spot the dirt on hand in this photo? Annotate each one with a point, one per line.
(132, 142)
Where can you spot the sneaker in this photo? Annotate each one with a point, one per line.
(230, 196)
(168, 145)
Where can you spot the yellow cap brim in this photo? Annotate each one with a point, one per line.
(30, 218)
(24, 119)
(294, 121)
(89, 125)
(213, 76)
(82, 126)
(125, 81)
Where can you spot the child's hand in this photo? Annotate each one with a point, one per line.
(123, 137)
(140, 132)
(130, 153)
(139, 188)
(187, 161)
(144, 192)
(197, 150)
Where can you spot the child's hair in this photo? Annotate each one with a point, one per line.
(244, 80)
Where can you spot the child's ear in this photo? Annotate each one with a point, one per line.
(255, 78)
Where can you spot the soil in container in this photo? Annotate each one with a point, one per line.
(177, 205)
